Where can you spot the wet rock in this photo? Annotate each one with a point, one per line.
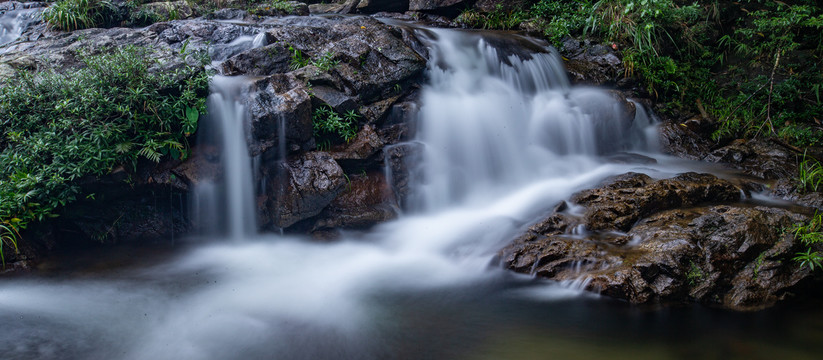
(450, 8)
(757, 158)
(203, 165)
(591, 64)
(789, 189)
(274, 102)
(267, 60)
(372, 65)
(355, 154)
(340, 102)
(302, 187)
(399, 160)
(163, 42)
(367, 200)
(680, 140)
(630, 158)
(627, 107)
(11, 65)
(172, 10)
(230, 14)
(378, 110)
(293, 8)
(340, 7)
(732, 256)
(145, 217)
(17, 5)
(625, 199)
(374, 6)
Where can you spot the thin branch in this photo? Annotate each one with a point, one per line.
(771, 90)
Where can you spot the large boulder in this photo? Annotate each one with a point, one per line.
(625, 199)
(371, 57)
(367, 200)
(758, 158)
(681, 140)
(591, 64)
(374, 6)
(278, 105)
(735, 256)
(301, 188)
(444, 7)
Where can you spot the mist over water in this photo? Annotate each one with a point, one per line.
(14, 22)
(505, 139)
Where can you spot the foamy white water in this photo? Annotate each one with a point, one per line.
(503, 144)
(14, 22)
(229, 204)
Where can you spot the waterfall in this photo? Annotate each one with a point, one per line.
(493, 122)
(14, 22)
(505, 137)
(230, 203)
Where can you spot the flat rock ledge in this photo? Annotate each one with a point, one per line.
(684, 239)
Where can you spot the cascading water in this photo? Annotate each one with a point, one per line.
(231, 205)
(493, 122)
(14, 22)
(503, 142)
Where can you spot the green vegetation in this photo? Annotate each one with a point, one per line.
(752, 66)
(298, 60)
(8, 237)
(139, 15)
(499, 18)
(59, 128)
(810, 175)
(281, 5)
(325, 62)
(809, 234)
(695, 274)
(71, 15)
(327, 122)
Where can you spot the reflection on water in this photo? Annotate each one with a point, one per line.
(140, 312)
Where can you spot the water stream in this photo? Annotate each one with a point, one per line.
(14, 22)
(505, 139)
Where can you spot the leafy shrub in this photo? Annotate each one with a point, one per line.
(325, 62)
(809, 234)
(810, 175)
(69, 15)
(59, 128)
(499, 18)
(298, 60)
(559, 19)
(326, 121)
(281, 5)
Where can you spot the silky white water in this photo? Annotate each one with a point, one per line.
(503, 144)
(14, 22)
(229, 204)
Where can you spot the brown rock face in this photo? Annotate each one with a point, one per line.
(644, 240)
(627, 198)
(367, 200)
